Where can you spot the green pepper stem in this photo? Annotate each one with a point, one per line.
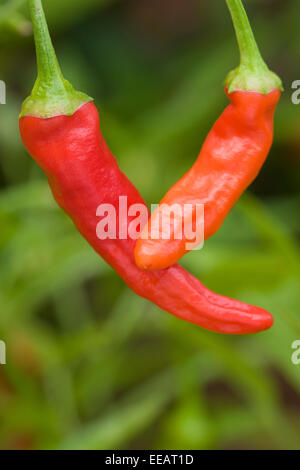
(250, 55)
(252, 74)
(52, 95)
(49, 72)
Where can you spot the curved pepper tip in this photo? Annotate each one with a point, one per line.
(262, 320)
(256, 320)
(142, 261)
(146, 259)
(268, 322)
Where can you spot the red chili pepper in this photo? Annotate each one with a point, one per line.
(230, 159)
(60, 129)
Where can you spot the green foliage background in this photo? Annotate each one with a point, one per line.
(89, 364)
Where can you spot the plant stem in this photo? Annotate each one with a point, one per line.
(249, 52)
(52, 95)
(49, 72)
(252, 73)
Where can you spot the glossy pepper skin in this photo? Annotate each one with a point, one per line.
(60, 129)
(82, 174)
(230, 159)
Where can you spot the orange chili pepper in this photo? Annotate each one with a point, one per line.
(230, 159)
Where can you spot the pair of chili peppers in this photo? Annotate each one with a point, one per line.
(60, 128)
